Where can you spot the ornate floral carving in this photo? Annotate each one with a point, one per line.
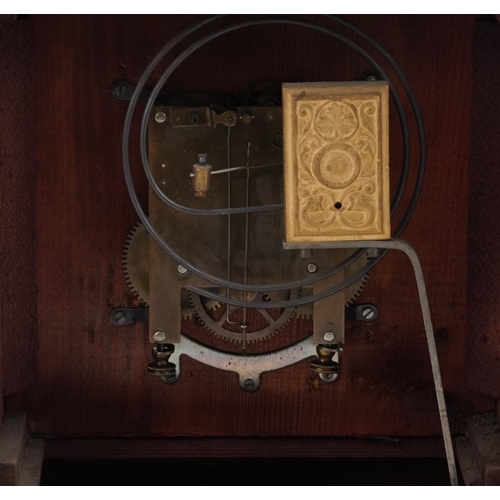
(336, 154)
(335, 120)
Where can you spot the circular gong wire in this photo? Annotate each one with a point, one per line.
(320, 276)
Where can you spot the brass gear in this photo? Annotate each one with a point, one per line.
(352, 292)
(203, 307)
(135, 262)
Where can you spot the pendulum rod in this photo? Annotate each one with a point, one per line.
(228, 312)
(244, 325)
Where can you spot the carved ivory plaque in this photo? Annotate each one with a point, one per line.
(336, 161)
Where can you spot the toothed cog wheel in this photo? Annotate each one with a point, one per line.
(261, 323)
(135, 262)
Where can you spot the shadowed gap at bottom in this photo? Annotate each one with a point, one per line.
(236, 472)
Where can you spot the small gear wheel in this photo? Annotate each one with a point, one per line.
(226, 323)
(135, 265)
(352, 292)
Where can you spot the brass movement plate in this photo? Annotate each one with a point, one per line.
(336, 161)
(203, 241)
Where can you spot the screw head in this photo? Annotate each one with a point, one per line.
(249, 384)
(119, 317)
(159, 336)
(160, 117)
(328, 377)
(120, 90)
(329, 336)
(181, 269)
(368, 313)
(371, 78)
(312, 267)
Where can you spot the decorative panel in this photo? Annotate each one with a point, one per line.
(336, 161)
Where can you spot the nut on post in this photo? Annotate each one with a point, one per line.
(202, 172)
(324, 362)
(161, 366)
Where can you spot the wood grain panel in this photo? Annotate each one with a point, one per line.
(93, 376)
(136, 448)
(483, 360)
(18, 336)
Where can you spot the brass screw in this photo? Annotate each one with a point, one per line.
(312, 267)
(159, 336)
(329, 336)
(160, 117)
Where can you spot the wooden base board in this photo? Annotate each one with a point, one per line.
(135, 448)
